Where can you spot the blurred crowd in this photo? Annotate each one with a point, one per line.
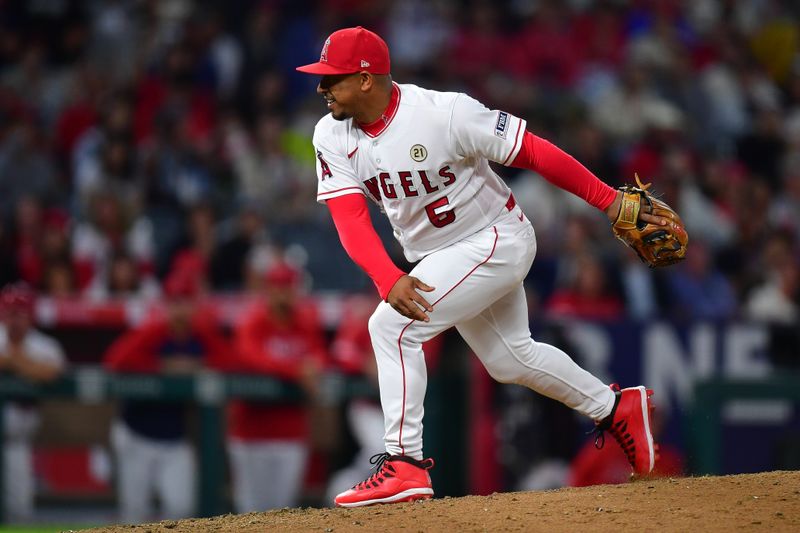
(161, 149)
(143, 141)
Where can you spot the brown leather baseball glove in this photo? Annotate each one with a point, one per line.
(656, 245)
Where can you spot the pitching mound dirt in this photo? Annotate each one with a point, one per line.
(758, 502)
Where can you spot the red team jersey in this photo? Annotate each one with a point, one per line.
(137, 349)
(280, 349)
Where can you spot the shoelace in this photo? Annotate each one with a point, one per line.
(382, 471)
(619, 431)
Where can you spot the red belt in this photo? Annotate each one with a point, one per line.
(511, 203)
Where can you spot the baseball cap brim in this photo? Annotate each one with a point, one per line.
(323, 69)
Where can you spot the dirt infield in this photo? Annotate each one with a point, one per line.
(751, 502)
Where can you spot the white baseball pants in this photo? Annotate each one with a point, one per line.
(266, 474)
(19, 482)
(147, 468)
(478, 289)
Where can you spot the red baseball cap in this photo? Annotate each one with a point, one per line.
(351, 50)
(17, 296)
(187, 278)
(282, 275)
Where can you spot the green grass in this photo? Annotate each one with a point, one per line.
(42, 529)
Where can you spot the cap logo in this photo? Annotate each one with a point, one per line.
(323, 56)
(364, 64)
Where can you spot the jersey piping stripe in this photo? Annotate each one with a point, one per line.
(516, 141)
(320, 195)
(400, 338)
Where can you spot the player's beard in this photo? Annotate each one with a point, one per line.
(340, 115)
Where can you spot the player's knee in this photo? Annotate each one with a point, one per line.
(382, 322)
(514, 366)
(374, 324)
(504, 374)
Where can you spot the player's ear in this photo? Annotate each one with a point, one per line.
(367, 81)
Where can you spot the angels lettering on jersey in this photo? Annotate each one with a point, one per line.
(408, 183)
(427, 168)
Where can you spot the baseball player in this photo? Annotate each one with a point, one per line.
(33, 356)
(423, 157)
(268, 443)
(152, 440)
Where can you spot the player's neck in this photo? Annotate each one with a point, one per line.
(380, 113)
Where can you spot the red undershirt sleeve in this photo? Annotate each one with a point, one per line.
(361, 242)
(562, 170)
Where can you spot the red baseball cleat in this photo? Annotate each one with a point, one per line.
(629, 423)
(397, 479)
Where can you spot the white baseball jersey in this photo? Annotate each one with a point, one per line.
(427, 168)
(38, 347)
(21, 422)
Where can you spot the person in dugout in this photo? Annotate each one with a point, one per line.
(32, 356)
(154, 455)
(268, 443)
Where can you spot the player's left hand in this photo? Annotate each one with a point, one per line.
(406, 300)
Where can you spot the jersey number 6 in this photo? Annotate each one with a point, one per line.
(441, 218)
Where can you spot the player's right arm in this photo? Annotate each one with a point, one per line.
(341, 190)
(359, 239)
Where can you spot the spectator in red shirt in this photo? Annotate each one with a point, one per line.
(587, 296)
(268, 443)
(40, 239)
(476, 46)
(150, 438)
(550, 53)
(28, 223)
(193, 256)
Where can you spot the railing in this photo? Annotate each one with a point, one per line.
(706, 415)
(209, 390)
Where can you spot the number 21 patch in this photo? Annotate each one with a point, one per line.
(501, 127)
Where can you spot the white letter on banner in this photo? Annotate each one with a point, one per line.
(667, 369)
(744, 343)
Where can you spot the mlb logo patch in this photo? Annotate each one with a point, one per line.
(501, 127)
